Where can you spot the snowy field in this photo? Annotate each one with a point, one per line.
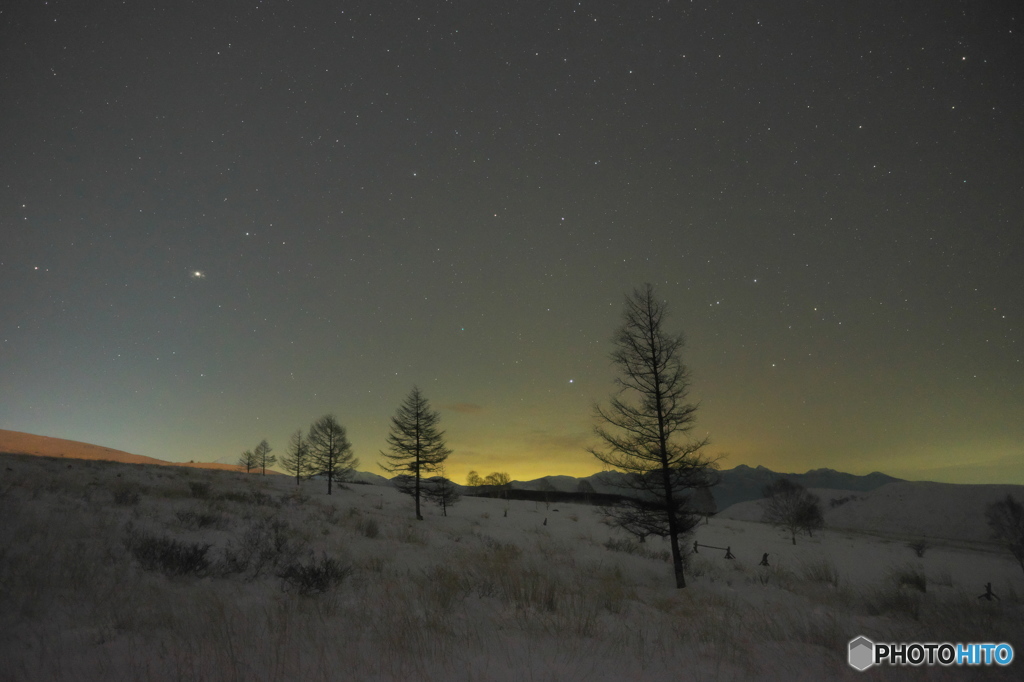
(104, 576)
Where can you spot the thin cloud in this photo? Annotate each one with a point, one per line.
(465, 408)
(545, 441)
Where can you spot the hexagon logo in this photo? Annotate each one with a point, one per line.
(862, 653)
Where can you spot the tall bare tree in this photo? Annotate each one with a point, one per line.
(298, 461)
(789, 505)
(262, 456)
(416, 445)
(247, 460)
(645, 430)
(329, 450)
(1006, 519)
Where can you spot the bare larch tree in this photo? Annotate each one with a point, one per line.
(247, 461)
(329, 450)
(645, 430)
(262, 456)
(416, 446)
(297, 461)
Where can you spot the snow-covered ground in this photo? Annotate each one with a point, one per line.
(494, 591)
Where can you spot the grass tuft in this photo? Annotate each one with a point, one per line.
(167, 555)
(822, 571)
(126, 495)
(315, 577)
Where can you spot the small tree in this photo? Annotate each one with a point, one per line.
(417, 446)
(329, 450)
(704, 503)
(262, 456)
(247, 461)
(789, 505)
(442, 492)
(500, 479)
(585, 488)
(297, 461)
(473, 479)
(649, 420)
(1006, 519)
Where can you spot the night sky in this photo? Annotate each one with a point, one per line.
(221, 220)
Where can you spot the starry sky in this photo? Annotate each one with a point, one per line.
(221, 220)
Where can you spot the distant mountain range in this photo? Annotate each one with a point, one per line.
(736, 485)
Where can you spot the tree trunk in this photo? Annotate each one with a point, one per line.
(419, 517)
(677, 562)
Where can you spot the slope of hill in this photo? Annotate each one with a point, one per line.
(907, 508)
(18, 443)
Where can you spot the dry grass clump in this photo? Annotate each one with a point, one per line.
(316, 576)
(821, 571)
(126, 494)
(368, 527)
(195, 519)
(168, 555)
(635, 548)
(264, 546)
(910, 576)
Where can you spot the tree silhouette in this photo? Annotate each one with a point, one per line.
(262, 456)
(1006, 519)
(330, 452)
(498, 478)
(298, 461)
(247, 461)
(644, 430)
(789, 505)
(416, 446)
(441, 491)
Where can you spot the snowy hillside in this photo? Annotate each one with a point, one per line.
(908, 508)
(129, 572)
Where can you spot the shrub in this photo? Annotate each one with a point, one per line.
(194, 520)
(265, 545)
(297, 496)
(199, 489)
(171, 557)
(892, 600)
(908, 576)
(369, 527)
(263, 499)
(126, 495)
(254, 497)
(409, 534)
(315, 577)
